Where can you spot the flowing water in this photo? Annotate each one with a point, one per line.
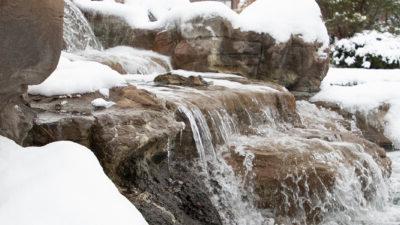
(78, 34)
(230, 120)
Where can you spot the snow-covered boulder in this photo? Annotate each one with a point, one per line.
(370, 50)
(61, 183)
(281, 41)
(373, 98)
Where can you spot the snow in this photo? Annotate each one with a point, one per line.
(77, 77)
(280, 19)
(61, 183)
(133, 61)
(105, 92)
(364, 90)
(367, 44)
(283, 18)
(135, 12)
(99, 102)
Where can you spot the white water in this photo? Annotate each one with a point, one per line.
(78, 34)
(233, 195)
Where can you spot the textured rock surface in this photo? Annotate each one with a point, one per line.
(114, 31)
(155, 160)
(29, 53)
(213, 45)
(132, 140)
(173, 79)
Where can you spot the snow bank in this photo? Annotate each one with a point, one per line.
(364, 90)
(370, 49)
(59, 184)
(280, 19)
(73, 77)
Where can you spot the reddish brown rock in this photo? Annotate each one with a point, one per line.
(212, 45)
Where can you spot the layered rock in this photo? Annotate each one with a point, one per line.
(212, 44)
(132, 140)
(290, 158)
(29, 53)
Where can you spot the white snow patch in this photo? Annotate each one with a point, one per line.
(105, 92)
(61, 183)
(99, 102)
(283, 18)
(365, 90)
(77, 77)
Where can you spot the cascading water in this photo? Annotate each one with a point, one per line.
(361, 195)
(78, 34)
(234, 200)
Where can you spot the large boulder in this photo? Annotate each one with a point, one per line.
(29, 53)
(212, 44)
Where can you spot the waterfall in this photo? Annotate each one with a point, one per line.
(78, 34)
(230, 194)
(227, 123)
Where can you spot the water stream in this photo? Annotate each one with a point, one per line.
(230, 120)
(78, 34)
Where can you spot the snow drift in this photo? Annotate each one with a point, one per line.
(61, 183)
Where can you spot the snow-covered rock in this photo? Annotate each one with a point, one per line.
(280, 19)
(77, 77)
(284, 18)
(101, 103)
(366, 91)
(210, 37)
(61, 183)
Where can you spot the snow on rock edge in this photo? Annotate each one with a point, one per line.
(280, 19)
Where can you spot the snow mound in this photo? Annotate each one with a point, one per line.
(283, 18)
(370, 49)
(77, 77)
(101, 103)
(61, 183)
(280, 19)
(365, 90)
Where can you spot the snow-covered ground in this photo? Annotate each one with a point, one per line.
(59, 184)
(365, 90)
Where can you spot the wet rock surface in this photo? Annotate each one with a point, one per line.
(230, 151)
(174, 79)
(165, 153)
(132, 140)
